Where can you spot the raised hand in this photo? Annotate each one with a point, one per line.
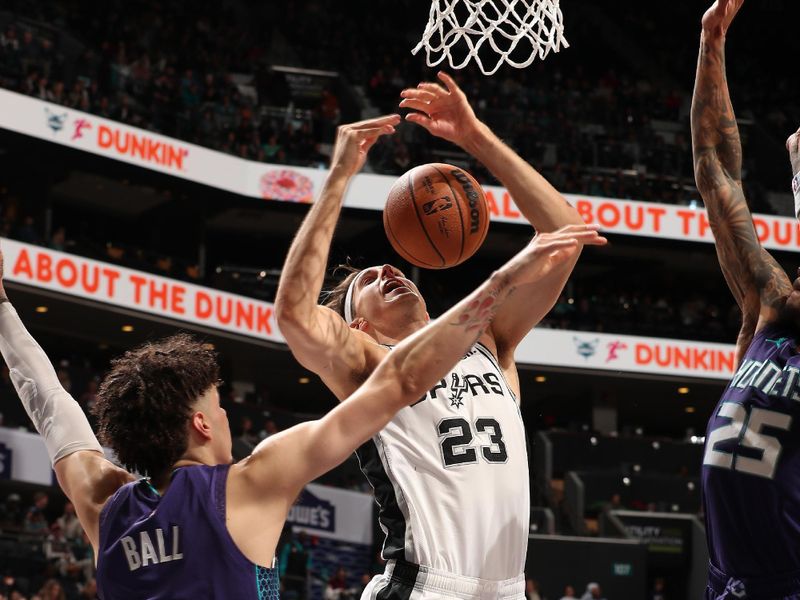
(354, 140)
(444, 111)
(719, 17)
(548, 251)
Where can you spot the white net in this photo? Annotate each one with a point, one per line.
(516, 31)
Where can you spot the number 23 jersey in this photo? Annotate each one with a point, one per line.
(450, 474)
(751, 466)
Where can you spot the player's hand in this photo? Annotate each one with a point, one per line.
(354, 140)
(793, 146)
(549, 251)
(444, 111)
(718, 18)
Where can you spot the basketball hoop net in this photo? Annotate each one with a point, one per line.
(504, 24)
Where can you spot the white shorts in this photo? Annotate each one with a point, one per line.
(407, 581)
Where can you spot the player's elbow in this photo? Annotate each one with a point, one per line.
(290, 317)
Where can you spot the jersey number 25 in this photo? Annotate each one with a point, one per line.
(747, 429)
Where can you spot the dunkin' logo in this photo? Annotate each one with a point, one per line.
(139, 146)
(287, 185)
(472, 198)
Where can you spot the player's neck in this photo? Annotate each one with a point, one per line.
(393, 336)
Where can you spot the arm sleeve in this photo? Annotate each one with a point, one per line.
(55, 414)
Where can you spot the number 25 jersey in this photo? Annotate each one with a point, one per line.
(751, 464)
(450, 475)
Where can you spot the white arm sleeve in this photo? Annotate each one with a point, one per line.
(55, 414)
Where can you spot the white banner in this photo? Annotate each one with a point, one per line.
(119, 286)
(23, 457)
(333, 513)
(626, 353)
(149, 150)
(152, 294)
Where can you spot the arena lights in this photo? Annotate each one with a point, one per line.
(689, 409)
(683, 390)
(593, 441)
(540, 379)
(303, 380)
(42, 309)
(127, 328)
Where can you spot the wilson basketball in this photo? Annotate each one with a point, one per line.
(436, 216)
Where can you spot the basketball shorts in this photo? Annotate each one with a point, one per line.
(722, 586)
(406, 581)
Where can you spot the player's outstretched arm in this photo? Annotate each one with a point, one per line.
(292, 458)
(445, 112)
(318, 337)
(86, 477)
(756, 280)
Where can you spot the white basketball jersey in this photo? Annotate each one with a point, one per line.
(450, 475)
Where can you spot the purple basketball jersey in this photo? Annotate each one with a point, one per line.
(751, 465)
(176, 545)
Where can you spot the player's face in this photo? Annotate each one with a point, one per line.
(385, 293)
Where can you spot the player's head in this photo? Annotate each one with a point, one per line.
(382, 296)
(160, 401)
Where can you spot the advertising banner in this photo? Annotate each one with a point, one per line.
(119, 286)
(333, 513)
(626, 353)
(148, 150)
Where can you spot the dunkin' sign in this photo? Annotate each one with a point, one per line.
(119, 286)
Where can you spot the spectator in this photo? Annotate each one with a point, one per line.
(569, 593)
(35, 521)
(57, 550)
(69, 524)
(52, 590)
(532, 590)
(270, 428)
(295, 566)
(593, 592)
(336, 588)
(11, 514)
(658, 589)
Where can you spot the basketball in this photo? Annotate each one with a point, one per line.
(436, 216)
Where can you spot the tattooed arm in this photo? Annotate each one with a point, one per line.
(758, 283)
(302, 453)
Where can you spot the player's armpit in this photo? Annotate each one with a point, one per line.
(326, 345)
(89, 479)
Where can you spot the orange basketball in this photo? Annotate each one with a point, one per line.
(436, 216)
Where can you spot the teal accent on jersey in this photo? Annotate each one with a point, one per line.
(777, 342)
(267, 583)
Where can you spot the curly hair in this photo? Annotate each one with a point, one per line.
(334, 299)
(147, 398)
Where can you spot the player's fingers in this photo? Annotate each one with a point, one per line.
(361, 134)
(393, 119)
(449, 83)
(419, 105)
(434, 88)
(420, 119)
(417, 94)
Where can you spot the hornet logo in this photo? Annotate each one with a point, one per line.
(586, 349)
(457, 389)
(55, 121)
(438, 205)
